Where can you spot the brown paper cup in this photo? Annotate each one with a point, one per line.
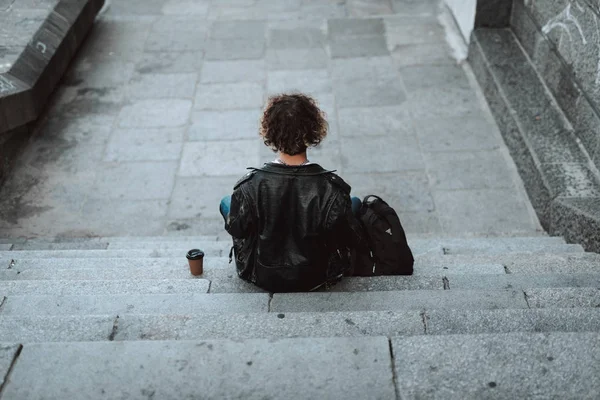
(196, 261)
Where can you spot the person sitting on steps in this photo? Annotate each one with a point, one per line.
(292, 222)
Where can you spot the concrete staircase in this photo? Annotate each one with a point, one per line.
(123, 318)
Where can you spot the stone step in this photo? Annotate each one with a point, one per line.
(521, 263)
(103, 287)
(300, 302)
(419, 245)
(459, 366)
(103, 242)
(127, 327)
(327, 368)
(499, 366)
(226, 280)
(117, 304)
(518, 263)
(440, 299)
(431, 265)
(214, 249)
(221, 249)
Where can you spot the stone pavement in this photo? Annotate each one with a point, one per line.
(158, 117)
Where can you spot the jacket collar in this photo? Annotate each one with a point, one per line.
(281, 169)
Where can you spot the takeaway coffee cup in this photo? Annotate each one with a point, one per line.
(196, 260)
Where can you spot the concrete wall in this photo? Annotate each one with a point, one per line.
(562, 37)
(463, 12)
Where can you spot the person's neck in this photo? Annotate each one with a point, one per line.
(297, 159)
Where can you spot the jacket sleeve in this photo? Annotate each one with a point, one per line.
(342, 223)
(239, 219)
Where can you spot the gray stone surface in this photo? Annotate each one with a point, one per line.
(545, 147)
(56, 329)
(457, 133)
(577, 219)
(8, 352)
(532, 365)
(467, 211)
(399, 300)
(522, 281)
(469, 170)
(224, 125)
(454, 322)
(101, 287)
(414, 196)
(219, 158)
(34, 244)
(217, 96)
(346, 367)
(131, 102)
(155, 113)
(563, 297)
(271, 325)
(233, 71)
(136, 304)
(516, 263)
(217, 249)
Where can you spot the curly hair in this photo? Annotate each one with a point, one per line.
(291, 123)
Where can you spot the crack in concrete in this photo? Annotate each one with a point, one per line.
(10, 369)
(115, 328)
(526, 299)
(424, 317)
(270, 300)
(4, 298)
(393, 365)
(507, 270)
(11, 264)
(446, 283)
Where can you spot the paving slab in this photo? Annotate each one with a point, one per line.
(453, 322)
(103, 287)
(328, 367)
(469, 170)
(224, 125)
(564, 365)
(233, 71)
(224, 96)
(8, 353)
(135, 304)
(81, 328)
(457, 134)
(397, 300)
(155, 113)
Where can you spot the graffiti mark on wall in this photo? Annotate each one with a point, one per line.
(6, 85)
(41, 47)
(563, 21)
(566, 20)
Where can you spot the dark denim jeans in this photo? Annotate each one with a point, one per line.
(225, 206)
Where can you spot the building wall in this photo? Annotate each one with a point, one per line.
(463, 12)
(562, 37)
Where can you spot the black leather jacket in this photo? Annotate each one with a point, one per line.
(292, 227)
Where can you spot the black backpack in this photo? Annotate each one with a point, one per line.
(388, 252)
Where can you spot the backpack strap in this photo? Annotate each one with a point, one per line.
(367, 198)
